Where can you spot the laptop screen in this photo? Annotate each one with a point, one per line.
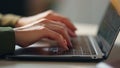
(109, 28)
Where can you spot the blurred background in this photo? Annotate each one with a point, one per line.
(83, 11)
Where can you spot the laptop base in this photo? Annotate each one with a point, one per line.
(62, 59)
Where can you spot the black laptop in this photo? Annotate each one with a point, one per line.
(85, 48)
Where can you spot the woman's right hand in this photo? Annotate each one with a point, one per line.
(33, 32)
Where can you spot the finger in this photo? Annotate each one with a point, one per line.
(61, 31)
(68, 23)
(56, 17)
(56, 36)
(65, 21)
(71, 33)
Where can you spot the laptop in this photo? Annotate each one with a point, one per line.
(85, 48)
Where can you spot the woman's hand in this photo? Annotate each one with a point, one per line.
(44, 25)
(43, 28)
(50, 15)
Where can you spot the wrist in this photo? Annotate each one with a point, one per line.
(20, 37)
(21, 22)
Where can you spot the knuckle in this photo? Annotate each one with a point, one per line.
(46, 32)
(61, 23)
(61, 28)
(44, 21)
(45, 29)
(50, 11)
(58, 35)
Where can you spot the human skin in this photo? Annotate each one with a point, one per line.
(44, 25)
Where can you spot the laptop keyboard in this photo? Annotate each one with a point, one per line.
(81, 46)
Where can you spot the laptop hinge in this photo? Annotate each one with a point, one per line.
(104, 45)
(99, 53)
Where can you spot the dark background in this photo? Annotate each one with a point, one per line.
(12, 6)
(25, 7)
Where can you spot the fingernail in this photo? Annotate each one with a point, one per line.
(70, 45)
(65, 42)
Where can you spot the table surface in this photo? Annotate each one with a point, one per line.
(83, 29)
